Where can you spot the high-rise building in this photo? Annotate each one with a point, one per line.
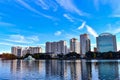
(106, 42)
(19, 51)
(84, 43)
(48, 48)
(74, 45)
(34, 50)
(56, 47)
(16, 51)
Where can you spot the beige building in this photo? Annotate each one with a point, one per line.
(19, 51)
(56, 47)
(74, 45)
(84, 43)
(16, 51)
(35, 50)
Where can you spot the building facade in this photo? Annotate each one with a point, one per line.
(48, 47)
(106, 42)
(19, 51)
(16, 51)
(74, 45)
(56, 47)
(84, 43)
(34, 50)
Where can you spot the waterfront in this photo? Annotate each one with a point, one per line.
(60, 70)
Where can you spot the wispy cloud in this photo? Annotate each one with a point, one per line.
(22, 39)
(42, 4)
(69, 6)
(58, 33)
(11, 44)
(113, 28)
(26, 5)
(6, 24)
(68, 17)
(47, 4)
(91, 31)
(6, 43)
(82, 25)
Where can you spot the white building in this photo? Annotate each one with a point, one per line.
(84, 43)
(48, 47)
(34, 50)
(16, 51)
(56, 47)
(74, 45)
(19, 51)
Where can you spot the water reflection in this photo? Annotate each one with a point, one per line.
(108, 70)
(60, 70)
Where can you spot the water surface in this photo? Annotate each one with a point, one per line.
(60, 70)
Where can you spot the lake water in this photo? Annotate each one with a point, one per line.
(60, 70)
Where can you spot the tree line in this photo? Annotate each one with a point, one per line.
(102, 55)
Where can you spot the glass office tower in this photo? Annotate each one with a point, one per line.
(106, 42)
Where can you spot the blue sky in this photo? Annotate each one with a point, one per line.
(34, 22)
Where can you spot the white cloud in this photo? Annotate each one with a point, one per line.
(58, 33)
(23, 3)
(113, 28)
(69, 6)
(22, 39)
(82, 26)
(5, 43)
(68, 17)
(91, 31)
(6, 24)
(43, 4)
(11, 44)
(47, 4)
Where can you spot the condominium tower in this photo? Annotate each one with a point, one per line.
(74, 45)
(84, 43)
(56, 47)
(16, 51)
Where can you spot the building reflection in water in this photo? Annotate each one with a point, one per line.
(16, 65)
(108, 70)
(86, 70)
(66, 69)
(55, 68)
(63, 69)
(20, 65)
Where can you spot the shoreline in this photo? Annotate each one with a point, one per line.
(61, 59)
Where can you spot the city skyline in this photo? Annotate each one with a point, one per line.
(33, 23)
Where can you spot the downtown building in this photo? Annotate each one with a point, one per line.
(74, 45)
(19, 51)
(106, 42)
(31, 50)
(84, 44)
(16, 51)
(59, 47)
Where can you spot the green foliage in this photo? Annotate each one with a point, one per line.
(104, 55)
(8, 56)
(72, 55)
(39, 56)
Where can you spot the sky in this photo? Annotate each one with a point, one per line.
(34, 22)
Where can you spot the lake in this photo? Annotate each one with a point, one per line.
(60, 70)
